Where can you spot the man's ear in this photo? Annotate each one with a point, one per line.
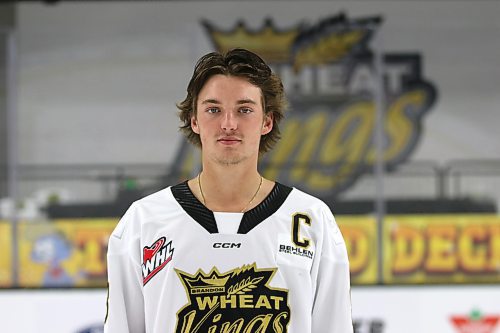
(194, 125)
(267, 125)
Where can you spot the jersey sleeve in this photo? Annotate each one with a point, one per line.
(125, 305)
(332, 295)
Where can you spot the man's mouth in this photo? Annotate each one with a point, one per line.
(229, 140)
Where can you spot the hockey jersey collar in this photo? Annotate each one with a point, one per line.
(205, 217)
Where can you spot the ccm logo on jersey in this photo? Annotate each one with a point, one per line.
(155, 257)
(226, 245)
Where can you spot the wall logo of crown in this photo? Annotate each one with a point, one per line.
(328, 70)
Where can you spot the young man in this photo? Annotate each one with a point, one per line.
(229, 251)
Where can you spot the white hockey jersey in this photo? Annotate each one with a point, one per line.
(176, 267)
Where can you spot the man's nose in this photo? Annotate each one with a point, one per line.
(229, 122)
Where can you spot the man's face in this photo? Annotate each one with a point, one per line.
(230, 119)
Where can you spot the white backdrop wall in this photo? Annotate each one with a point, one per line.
(98, 82)
(375, 310)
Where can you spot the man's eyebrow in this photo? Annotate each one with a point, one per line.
(210, 101)
(241, 101)
(246, 101)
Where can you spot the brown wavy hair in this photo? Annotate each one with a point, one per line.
(240, 63)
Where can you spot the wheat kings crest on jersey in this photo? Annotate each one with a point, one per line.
(237, 301)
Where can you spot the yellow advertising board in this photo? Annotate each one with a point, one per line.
(73, 252)
(442, 249)
(417, 249)
(360, 235)
(64, 253)
(5, 254)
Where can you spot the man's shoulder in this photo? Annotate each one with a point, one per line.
(299, 198)
(155, 204)
(159, 196)
(151, 207)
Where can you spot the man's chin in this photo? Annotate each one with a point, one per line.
(229, 160)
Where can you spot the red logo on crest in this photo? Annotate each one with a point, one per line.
(475, 323)
(155, 257)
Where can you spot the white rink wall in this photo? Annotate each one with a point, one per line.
(390, 309)
(54, 311)
(98, 82)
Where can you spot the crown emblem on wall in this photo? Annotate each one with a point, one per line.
(270, 43)
(332, 39)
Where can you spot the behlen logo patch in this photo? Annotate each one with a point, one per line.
(155, 257)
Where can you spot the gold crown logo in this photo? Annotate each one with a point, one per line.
(212, 279)
(330, 40)
(271, 44)
(215, 281)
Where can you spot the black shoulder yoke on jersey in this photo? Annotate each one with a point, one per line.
(205, 217)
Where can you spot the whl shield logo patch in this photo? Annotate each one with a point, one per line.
(236, 301)
(155, 257)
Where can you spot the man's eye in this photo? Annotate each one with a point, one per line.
(245, 110)
(212, 110)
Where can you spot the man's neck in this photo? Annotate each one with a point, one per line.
(230, 188)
